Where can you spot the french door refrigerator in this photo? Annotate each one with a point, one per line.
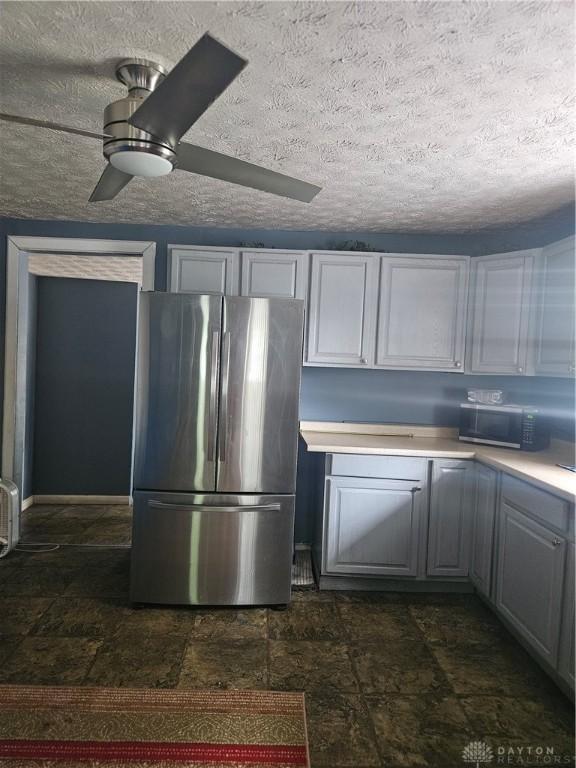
(217, 393)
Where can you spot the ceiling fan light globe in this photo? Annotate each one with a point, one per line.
(138, 163)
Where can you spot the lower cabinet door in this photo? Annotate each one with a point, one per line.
(530, 578)
(372, 526)
(566, 660)
(483, 531)
(450, 517)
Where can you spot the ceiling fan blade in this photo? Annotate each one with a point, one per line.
(110, 183)
(208, 163)
(191, 87)
(51, 126)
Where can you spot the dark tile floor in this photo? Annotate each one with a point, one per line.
(84, 524)
(391, 680)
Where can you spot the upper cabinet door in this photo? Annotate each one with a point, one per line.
(274, 273)
(555, 322)
(500, 327)
(194, 269)
(422, 312)
(342, 311)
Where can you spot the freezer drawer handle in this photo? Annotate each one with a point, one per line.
(208, 508)
(213, 396)
(224, 397)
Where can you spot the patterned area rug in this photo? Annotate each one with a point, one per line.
(113, 727)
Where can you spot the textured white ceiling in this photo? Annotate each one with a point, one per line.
(413, 116)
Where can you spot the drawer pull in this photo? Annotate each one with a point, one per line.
(556, 542)
(415, 489)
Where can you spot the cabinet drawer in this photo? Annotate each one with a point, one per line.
(388, 467)
(550, 509)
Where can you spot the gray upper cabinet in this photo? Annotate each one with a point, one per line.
(274, 273)
(556, 291)
(342, 310)
(450, 518)
(566, 659)
(483, 528)
(372, 526)
(530, 577)
(422, 312)
(500, 318)
(195, 269)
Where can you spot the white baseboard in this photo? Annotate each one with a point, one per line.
(27, 502)
(78, 499)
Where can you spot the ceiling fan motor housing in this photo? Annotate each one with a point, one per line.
(141, 77)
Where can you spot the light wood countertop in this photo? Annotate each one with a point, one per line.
(538, 468)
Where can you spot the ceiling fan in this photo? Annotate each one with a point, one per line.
(142, 131)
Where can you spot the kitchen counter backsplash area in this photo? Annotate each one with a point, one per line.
(339, 394)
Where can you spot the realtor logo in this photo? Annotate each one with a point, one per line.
(477, 753)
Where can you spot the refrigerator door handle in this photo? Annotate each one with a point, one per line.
(215, 508)
(224, 396)
(212, 415)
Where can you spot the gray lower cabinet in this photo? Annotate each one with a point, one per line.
(422, 312)
(530, 576)
(483, 529)
(342, 309)
(274, 273)
(566, 659)
(500, 318)
(195, 269)
(371, 527)
(556, 316)
(450, 522)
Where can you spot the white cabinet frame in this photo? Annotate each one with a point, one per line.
(485, 343)
(291, 280)
(367, 265)
(204, 256)
(436, 330)
(554, 353)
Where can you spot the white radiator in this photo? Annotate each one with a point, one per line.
(8, 515)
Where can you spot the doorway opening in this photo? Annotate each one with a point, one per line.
(70, 438)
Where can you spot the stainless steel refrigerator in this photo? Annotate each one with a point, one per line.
(217, 393)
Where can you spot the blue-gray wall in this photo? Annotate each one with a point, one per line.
(85, 348)
(336, 393)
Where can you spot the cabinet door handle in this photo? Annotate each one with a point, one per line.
(520, 369)
(415, 489)
(458, 364)
(556, 542)
(363, 360)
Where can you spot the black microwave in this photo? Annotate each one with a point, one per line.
(508, 426)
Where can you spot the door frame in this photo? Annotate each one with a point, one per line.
(18, 251)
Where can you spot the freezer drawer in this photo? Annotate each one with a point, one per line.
(211, 549)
